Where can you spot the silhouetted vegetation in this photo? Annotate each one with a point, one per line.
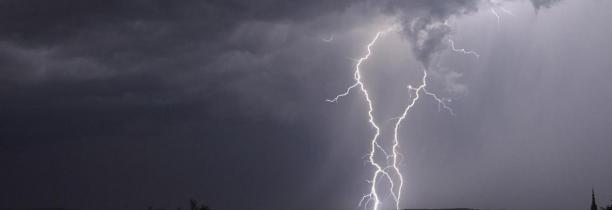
(609, 207)
(594, 204)
(194, 205)
(444, 209)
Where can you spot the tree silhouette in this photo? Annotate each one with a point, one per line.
(609, 207)
(194, 205)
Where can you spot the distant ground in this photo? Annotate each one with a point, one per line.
(73, 209)
(444, 209)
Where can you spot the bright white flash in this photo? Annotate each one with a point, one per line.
(385, 170)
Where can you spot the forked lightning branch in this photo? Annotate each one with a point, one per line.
(388, 170)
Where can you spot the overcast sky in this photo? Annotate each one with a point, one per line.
(130, 104)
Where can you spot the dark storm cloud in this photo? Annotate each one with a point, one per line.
(126, 46)
(539, 4)
(214, 99)
(139, 33)
(423, 23)
(41, 21)
(142, 75)
(427, 38)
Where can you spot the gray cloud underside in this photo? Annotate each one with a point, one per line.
(170, 86)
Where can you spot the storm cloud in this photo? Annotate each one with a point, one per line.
(129, 104)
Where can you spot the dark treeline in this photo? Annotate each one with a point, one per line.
(444, 209)
(194, 205)
(594, 203)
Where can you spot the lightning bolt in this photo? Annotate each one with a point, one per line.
(497, 5)
(463, 51)
(386, 170)
(375, 146)
(372, 196)
(400, 119)
(496, 15)
(507, 11)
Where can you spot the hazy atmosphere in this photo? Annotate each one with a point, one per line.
(113, 104)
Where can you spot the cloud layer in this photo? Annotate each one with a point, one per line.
(137, 103)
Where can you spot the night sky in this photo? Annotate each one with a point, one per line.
(109, 104)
